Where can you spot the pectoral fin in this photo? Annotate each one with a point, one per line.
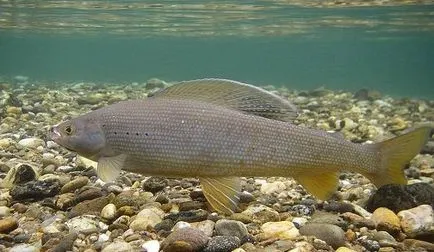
(321, 186)
(222, 193)
(109, 168)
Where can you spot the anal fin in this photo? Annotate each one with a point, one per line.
(222, 193)
(321, 186)
(109, 168)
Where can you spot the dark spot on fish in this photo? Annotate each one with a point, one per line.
(103, 125)
(137, 134)
(116, 133)
(128, 133)
(146, 134)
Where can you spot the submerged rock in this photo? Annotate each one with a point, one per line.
(185, 239)
(418, 221)
(231, 228)
(385, 219)
(8, 224)
(222, 244)
(331, 234)
(35, 190)
(399, 197)
(118, 246)
(279, 230)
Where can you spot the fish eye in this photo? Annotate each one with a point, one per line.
(68, 129)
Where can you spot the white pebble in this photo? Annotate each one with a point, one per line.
(151, 246)
(109, 212)
(31, 142)
(181, 224)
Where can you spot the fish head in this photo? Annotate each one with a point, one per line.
(81, 135)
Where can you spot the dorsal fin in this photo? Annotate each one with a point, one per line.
(234, 95)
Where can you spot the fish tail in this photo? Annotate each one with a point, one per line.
(395, 153)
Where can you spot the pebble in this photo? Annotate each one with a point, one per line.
(109, 212)
(417, 221)
(118, 246)
(279, 230)
(75, 184)
(339, 207)
(231, 228)
(261, 213)
(384, 239)
(330, 218)
(151, 246)
(66, 243)
(273, 188)
(24, 248)
(181, 224)
(344, 249)
(85, 223)
(185, 239)
(385, 219)
(222, 244)
(417, 245)
(154, 184)
(358, 221)
(206, 226)
(4, 211)
(331, 234)
(31, 142)
(93, 206)
(145, 220)
(5, 143)
(299, 221)
(8, 224)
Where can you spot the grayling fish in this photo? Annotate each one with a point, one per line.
(218, 130)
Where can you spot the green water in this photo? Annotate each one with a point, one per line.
(388, 48)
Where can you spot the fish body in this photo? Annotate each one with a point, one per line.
(176, 135)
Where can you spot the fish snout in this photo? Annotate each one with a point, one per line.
(54, 134)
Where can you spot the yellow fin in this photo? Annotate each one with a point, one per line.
(109, 168)
(234, 95)
(222, 193)
(321, 186)
(395, 154)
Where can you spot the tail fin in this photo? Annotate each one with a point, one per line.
(395, 154)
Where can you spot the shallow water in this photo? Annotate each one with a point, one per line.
(298, 45)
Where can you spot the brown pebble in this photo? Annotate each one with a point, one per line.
(350, 235)
(179, 246)
(191, 205)
(75, 184)
(20, 208)
(8, 224)
(91, 193)
(413, 244)
(127, 210)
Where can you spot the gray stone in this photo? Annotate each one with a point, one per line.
(401, 197)
(185, 239)
(118, 246)
(222, 244)
(231, 228)
(35, 190)
(417, 221)
(331, 234)
(32, 142)
(75, 184)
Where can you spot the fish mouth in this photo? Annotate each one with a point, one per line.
(54, 134)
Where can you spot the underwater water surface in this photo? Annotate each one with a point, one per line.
(300, 45)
